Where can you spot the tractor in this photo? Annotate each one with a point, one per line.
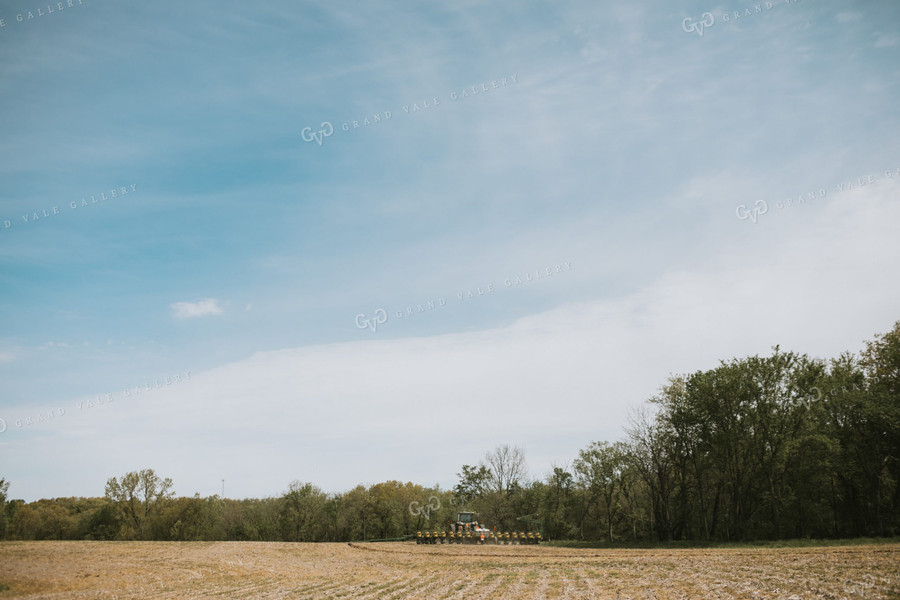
(467, 530)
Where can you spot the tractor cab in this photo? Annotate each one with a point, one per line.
(467, 521)
(465, 517)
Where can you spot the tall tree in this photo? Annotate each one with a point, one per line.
(558, 502)
(473, 483)
(4, 489)
(506, 468)
(881, 362)
(599, 469)
(652, 458)
(506, 472)
(139, 495)
(302, 512)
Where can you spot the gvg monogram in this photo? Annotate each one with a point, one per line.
(434, 504)
(706, 20)
(461, 500)
(308, 135)
(743, 213)
(377, 319)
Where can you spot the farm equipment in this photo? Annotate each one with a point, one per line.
(533, 521)
(467, 530)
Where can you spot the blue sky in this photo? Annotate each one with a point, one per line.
(618, 155)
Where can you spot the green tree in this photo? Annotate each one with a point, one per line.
(4, 489)
(105, 523)
(473, 483)
(505, 469)
(192, 519)
(652, 458)
(139, 495)
(881, 363)
(599, 470)
(558, 503)
(733, 428)
(302, 512)
(355, 515)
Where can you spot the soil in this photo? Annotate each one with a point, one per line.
(395, 571)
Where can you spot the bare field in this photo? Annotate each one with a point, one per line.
(112, 570)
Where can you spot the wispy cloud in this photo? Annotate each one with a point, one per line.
(191, 310)
(625, 147)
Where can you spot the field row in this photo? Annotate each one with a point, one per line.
(131, 570)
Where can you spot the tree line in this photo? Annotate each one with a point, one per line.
(776, 447)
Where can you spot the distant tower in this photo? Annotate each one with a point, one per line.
(223, 488)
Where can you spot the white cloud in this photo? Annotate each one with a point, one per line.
(418, 408)
(595, 156)
(190, 310)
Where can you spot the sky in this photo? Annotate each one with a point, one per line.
(348, 243)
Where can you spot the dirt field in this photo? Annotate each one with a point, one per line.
(109, 570)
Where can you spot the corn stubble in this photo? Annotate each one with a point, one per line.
(130, 570)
